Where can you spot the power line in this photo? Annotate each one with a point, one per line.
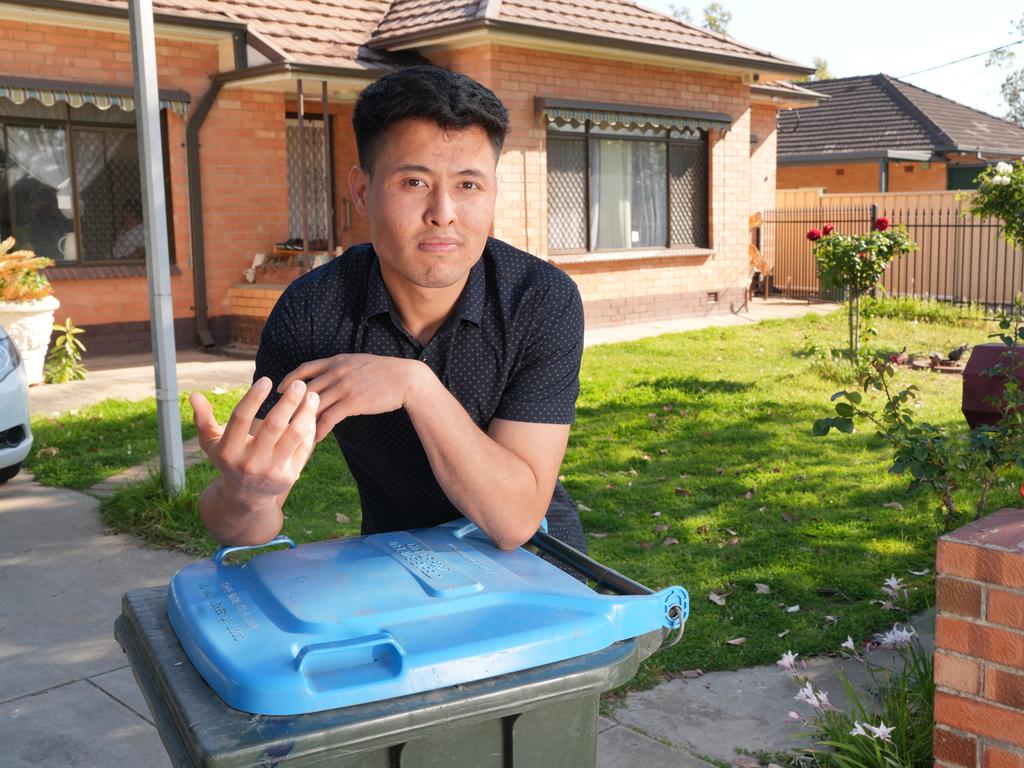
(965, 58)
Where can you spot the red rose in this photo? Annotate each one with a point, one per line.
(814, 234)
(881, 223)
(826, 230)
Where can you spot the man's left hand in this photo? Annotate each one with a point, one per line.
(357, 385)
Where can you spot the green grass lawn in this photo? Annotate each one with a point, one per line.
(703, 438)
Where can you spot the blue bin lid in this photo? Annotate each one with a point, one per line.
(349, 621)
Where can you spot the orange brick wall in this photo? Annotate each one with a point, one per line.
(917, 177)
(855, 177)
(762, 157)
(64, 53)
(517, 76)
(979, 638)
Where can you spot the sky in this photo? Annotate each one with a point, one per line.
(897, 37)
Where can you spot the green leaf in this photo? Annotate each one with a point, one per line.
(844, 425)
(845, 410)
(821, 427)
(854, 397)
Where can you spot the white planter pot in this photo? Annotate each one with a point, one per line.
(30, 323)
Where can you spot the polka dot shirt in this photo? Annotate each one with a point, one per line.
(511, 349)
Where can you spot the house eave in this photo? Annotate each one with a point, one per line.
(470, 31)
(822, 158)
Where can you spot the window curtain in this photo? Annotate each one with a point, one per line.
(39, 179)
(628, 201)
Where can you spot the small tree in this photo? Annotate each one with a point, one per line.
(856, 263)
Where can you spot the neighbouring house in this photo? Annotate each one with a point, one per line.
(879, 134)
(639, 147)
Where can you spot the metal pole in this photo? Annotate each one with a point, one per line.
(154, 221)
(303, 231)
(328, 198)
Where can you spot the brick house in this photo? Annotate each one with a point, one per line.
(639, 147)
(879, 134)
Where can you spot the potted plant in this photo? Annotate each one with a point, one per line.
(27, 305)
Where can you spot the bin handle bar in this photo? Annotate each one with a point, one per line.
(220, 554)
(602, 574)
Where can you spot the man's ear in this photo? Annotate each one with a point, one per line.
(358, 181)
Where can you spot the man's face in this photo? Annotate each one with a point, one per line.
(430, 201)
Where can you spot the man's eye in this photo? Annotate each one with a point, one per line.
(413, 182)
(469, 185)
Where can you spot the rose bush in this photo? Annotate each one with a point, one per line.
(1001, 194)
(856, 263)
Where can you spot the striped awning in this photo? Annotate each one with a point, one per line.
(578, 112)
(48, 93)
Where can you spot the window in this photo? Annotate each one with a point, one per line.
(69, 182)
(615, 188)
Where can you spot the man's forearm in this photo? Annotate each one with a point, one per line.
(486, 481)
(233, 521)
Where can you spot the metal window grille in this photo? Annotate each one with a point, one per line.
(316, 178)
(567, 193)
(688, 193)
(109, 195)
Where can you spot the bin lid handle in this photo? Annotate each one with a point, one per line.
(220, 554)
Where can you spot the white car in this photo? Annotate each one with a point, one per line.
(15, 433)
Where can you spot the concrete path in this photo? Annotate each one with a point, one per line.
(67, 696)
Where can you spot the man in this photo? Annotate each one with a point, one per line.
(445, 363)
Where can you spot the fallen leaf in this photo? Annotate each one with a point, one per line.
(832, 619)
(792, 608)
(788, 517)
(893, 505)
(645, 545)
(50, 450)
(762, 589)
(652, 415)
(703, 530)
(690, 674)
(716, 598)
(682, 411)
(663, 451)
(660, 528)
(666, 408)
(682, 491)
(655, 514)
(646, 457)
(669, 542)
(719, 470)
(730, 531)
(749, 494)
(776, 470)
(734, 541)
(343, 519)
(736, 641)
(783, 633)
(596, 535)
(609, 486)
(561, 478)
(632, 472)
(684, 476)
(925, 572)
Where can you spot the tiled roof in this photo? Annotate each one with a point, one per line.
(878, 112)
(616, 20)
(334, 32)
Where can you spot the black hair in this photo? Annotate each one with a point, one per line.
(449, 99)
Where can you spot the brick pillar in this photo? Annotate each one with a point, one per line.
(979, 644)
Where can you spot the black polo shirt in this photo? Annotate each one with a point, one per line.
(511, 349)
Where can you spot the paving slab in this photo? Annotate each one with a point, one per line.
(721, 712)
(120, 685)
(76, 724)
(619, 747)
(61, 580)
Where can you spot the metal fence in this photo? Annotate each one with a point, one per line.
(960, 258)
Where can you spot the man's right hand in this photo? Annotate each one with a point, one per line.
(259, 462)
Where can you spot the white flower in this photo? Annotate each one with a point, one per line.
(788, 661)
(893, 586)
(896, 637)
(816, 699)
(849, 644)
(1004, 169)
(858, 729)
(882, 732)
(792, 715)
